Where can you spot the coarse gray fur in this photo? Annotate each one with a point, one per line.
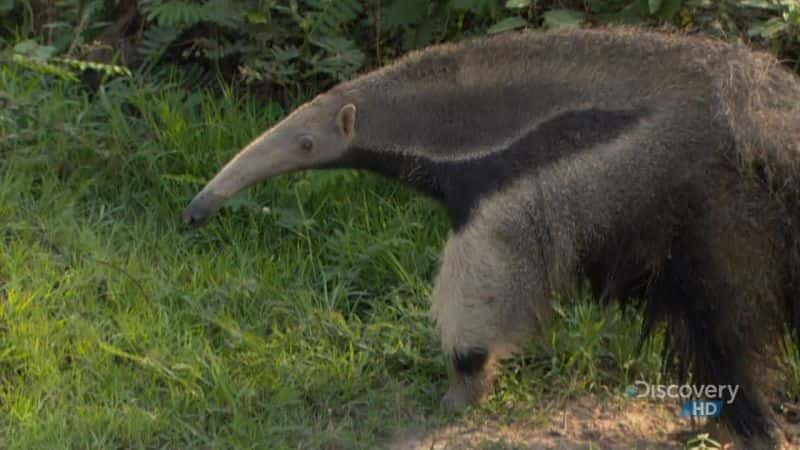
(660, 167)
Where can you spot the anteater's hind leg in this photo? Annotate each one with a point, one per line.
(722, 294)
(713, 348)
(482, 311)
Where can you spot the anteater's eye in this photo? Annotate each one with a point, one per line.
(306, 143)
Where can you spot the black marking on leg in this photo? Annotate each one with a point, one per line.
(471, 361)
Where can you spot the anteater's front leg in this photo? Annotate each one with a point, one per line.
(484, 308)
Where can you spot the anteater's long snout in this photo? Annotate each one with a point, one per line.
(261, 159)
(202, 207)
(239, 173)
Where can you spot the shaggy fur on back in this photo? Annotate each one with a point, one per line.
(661, 167)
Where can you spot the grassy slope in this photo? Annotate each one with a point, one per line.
(303, 326)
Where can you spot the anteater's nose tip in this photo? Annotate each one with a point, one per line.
(202, 207)
(195, 215)
(193, 219)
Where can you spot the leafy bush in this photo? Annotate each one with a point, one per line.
(294, 44)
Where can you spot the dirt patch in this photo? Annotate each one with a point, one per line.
(587, 423)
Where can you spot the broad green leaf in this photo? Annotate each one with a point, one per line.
(44, 52)
(653, 6)
(257, 17)
(518, 4)
(425, 33)
(761, 4)
(511, 23)
(25, 46)
(403, 13)
(699, 3)
(768, 28)
(633, 14)
(556, 18)
(6, 6)
(669, 8)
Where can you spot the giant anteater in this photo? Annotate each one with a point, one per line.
(656, 166)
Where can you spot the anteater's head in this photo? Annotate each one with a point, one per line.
(315, 135)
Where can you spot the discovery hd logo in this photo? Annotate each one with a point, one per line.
(714, 396)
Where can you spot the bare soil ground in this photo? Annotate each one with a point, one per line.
(587, 423)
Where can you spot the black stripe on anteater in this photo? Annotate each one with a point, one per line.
(470, 361)
(460, 184)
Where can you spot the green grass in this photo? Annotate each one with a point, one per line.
(301, 326)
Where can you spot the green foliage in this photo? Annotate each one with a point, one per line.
(562, 18)
(703, 441)
(39, 58)
(593, 346)
(291, 45)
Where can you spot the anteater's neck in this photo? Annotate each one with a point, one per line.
(459, 184)
(455, 189)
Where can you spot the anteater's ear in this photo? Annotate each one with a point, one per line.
(346, 120)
